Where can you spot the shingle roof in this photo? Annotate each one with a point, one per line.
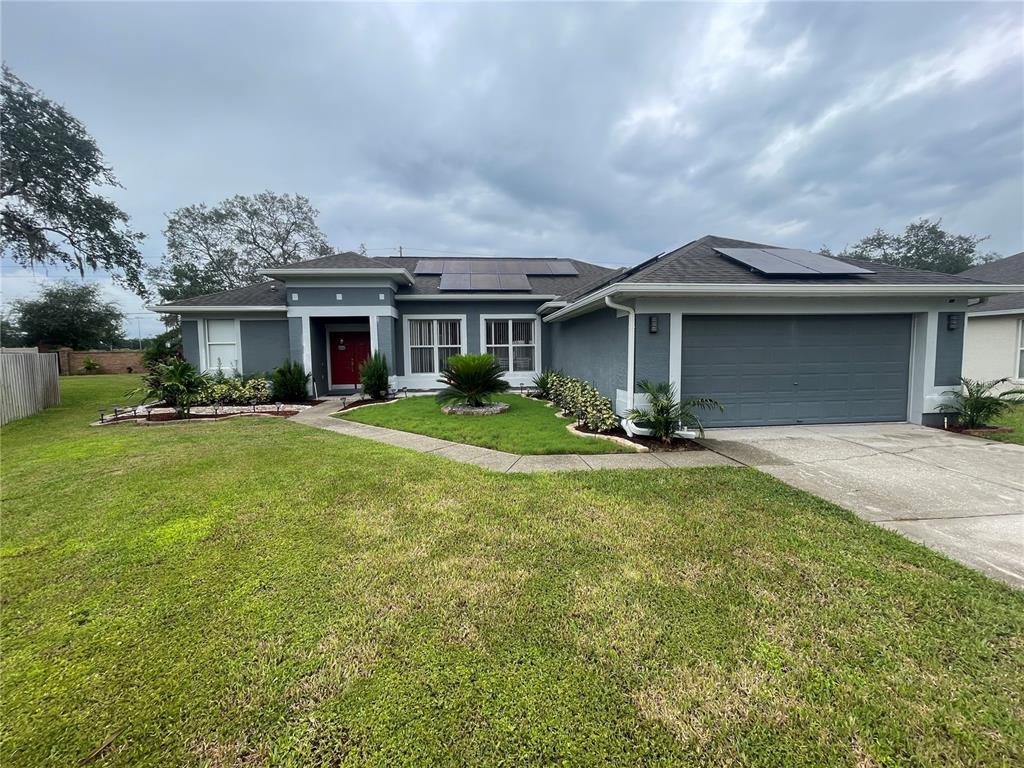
(346, 260)
(541, 285)
(699, 262)
(268, 294)
(1009, 270)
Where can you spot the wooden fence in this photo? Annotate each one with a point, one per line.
(29, 382)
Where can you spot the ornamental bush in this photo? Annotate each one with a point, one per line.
(233, 390)
(581, 400)
(290, 382)
(373, 376)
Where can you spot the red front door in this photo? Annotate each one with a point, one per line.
(348, 350)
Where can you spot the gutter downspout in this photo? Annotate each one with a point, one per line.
(630, 346)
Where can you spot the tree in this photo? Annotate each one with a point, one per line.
(10, 333)
(49, 210)
(218, 248)
(69, 314)
(924, 244)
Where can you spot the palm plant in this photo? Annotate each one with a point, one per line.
(471, 379)
(976, 405)
(666, 413)
(544, 383)
(176, 383)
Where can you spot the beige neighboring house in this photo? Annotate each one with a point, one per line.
(994, 345)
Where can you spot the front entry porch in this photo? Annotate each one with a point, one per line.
(338, 346)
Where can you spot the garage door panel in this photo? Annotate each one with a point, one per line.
(785, 369)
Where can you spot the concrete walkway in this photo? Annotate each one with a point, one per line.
(499, 461)
(962, 496)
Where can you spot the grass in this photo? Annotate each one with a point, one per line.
(527, 427)
(257, 592)
(1013, 418)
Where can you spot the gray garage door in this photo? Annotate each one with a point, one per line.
(798, 369)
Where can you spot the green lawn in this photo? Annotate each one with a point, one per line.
(527, 427)
(1013, 418)
(257, 592)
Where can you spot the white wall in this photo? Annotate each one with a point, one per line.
(991, 346)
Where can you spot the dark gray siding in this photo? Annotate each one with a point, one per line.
(796, 369)
(190, 341)
(386, 340)
(652, 349)
(352, 296)
(295, 338)
(318, 353)
(592, 347)
(949, 350)
(265, 344)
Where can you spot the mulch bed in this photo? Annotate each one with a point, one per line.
(653, 444)
(214, 416)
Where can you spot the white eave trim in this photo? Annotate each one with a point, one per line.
(995, 312)
(177, 310)
(473, 297)
(779, 291)
(392, 273)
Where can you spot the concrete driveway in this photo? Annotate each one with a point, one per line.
(962, 496)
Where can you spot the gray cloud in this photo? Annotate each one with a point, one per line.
(604, 131)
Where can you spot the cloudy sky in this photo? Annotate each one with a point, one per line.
(607, 132)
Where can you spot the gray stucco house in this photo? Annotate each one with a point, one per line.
(779, 336)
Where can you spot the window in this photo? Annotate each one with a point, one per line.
(512, 342)
(432, 342)
(221, 346)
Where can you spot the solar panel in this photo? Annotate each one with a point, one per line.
(484, 282)
(454, 281)
(791, 262)
(487, 266)
(429, 267)
(563, 268)
(514, 282)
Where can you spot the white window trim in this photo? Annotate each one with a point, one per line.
(427, 379)
(204, 348)
(516, 378)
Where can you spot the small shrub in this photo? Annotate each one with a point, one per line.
(471, 379)
(89, 365)
(665, 413)
(373, 375)
(234, 390)
(290, 382)
(976, 405)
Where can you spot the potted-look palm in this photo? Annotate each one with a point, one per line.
(975, 405)
(176, 383)
(472, 380)
(665, 414)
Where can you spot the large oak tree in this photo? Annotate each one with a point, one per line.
(924, 244)
(220, 247)
(50, 209)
